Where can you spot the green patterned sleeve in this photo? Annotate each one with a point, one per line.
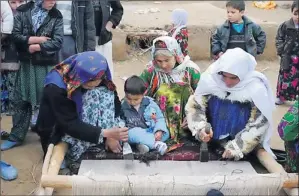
(195, 76)
(146, 75)
(289, 125)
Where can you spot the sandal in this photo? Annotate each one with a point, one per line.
(8, 172)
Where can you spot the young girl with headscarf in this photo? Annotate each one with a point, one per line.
(238, 103)
(179, 29)
(80, 106)
(38, 35)
(170, 79)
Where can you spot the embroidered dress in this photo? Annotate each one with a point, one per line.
(288, 131)
(171, 90)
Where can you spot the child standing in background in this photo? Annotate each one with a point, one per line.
(287, 45)
(238, 32)
(179, 29)
(143, 117)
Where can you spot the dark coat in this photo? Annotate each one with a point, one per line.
(51, 27)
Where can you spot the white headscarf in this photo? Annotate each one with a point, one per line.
(240, 63)
(179, 18)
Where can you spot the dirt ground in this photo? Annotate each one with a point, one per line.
(27, 158)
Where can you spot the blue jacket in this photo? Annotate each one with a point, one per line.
(149, 116)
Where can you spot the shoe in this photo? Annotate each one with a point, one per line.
(279, 102)
(142, 148)
(161, 147)
(9, 144)
(4, 135)
(214, 192)
(8, 172)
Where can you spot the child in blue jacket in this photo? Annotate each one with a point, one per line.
(145, 120)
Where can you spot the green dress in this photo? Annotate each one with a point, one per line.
(288, 131)
(172, 95)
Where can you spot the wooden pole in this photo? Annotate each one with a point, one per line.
(66, 182)
(57, 158)
(41, 190)
(273, 167)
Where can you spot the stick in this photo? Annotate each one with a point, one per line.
(273, 167)
(57, 158)
(40, 190)
(66, 182)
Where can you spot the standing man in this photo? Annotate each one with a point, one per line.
(79, 29)
(105, 21)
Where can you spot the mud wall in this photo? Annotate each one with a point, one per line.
(199, 42)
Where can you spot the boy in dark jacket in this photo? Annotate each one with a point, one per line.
(105, 21)
(287, 45)
(238, 31)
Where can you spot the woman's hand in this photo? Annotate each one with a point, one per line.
(184, 125)
(119, 134)
(158, 135)
(203, 136)
(113, 145)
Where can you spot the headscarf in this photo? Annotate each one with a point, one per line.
(82, 68)
(179, 18)
(169, 45)
(38, 14)
(240, 63)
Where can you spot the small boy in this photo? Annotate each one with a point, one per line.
(287, 45)
(238, 31)
(146, 123)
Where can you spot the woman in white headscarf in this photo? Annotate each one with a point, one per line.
(238, 103)
(179, 31)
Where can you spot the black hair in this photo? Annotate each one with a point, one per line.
(295, 4)
(134, 85)
(236, 4)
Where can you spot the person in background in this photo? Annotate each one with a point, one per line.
(79, 32)
(38, 35)
(238, 32)
(179, 29)
(288, 131)
(105, 21)
(144, 118)
(9, 60)
(287, 45)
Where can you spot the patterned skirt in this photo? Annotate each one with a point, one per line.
(287, 84)
(8, 80)
(30, 82)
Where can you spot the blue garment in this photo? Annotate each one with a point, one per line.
(238, 27)
(227, 117)
(139, 135)
(38, 14)
(145, 122)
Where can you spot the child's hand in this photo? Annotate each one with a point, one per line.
(34, 48)
(113, 145)
(158, 135)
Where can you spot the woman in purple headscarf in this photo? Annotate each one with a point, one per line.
(80, 105)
